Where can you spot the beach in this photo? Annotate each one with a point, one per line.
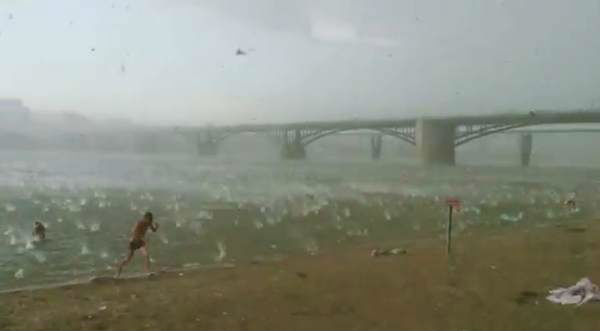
(493, 279)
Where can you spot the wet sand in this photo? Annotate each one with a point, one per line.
(495, 279)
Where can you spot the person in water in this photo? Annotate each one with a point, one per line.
(138, 241)
(39, 230)
(570, 203)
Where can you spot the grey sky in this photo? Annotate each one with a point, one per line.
(173, 61)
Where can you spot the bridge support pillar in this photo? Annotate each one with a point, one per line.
(376, 144)
(435, 142)
(292, 148)
(525, 147)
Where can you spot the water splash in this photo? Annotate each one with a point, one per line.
(74, 208)
(272, 220)
(20, 274)
(9, 207)
(512, 218)
(164, 239)
(221, 252)
(204, 215)
(387, 215)
(311, 247)
(347, 213)
(39, 256)
(9, 230)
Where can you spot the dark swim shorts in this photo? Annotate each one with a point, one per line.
(136, 244)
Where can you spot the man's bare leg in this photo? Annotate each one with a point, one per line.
(125, 262)
(144, 253)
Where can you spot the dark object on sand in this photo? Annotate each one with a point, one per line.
(388, 252)
(240, 52)
(526, 297)
(301, 275)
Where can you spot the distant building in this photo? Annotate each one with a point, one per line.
(13, 113)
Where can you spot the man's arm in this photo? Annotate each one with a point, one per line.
(154, 226)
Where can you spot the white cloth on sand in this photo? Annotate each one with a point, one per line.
(579, 293)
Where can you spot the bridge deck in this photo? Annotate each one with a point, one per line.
(531, 118)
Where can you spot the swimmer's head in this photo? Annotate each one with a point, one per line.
(148, 216)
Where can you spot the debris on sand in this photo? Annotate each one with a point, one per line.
(579, 293)
(388, 252)
(526, 297)
(301, 275)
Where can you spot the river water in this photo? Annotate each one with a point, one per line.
(234, 211)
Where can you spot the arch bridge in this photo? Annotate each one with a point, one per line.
(436, 138)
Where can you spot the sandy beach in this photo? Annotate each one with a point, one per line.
(494, 279)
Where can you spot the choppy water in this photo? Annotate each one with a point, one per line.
(232, 211)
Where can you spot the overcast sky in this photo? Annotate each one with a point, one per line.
(174, 61)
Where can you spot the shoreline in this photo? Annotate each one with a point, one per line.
(107, 277)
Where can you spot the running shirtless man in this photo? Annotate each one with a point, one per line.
(138, 232)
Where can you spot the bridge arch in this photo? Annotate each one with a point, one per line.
(466, 136)
(405, 134)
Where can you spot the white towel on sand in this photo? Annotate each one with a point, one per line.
(579, 293)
